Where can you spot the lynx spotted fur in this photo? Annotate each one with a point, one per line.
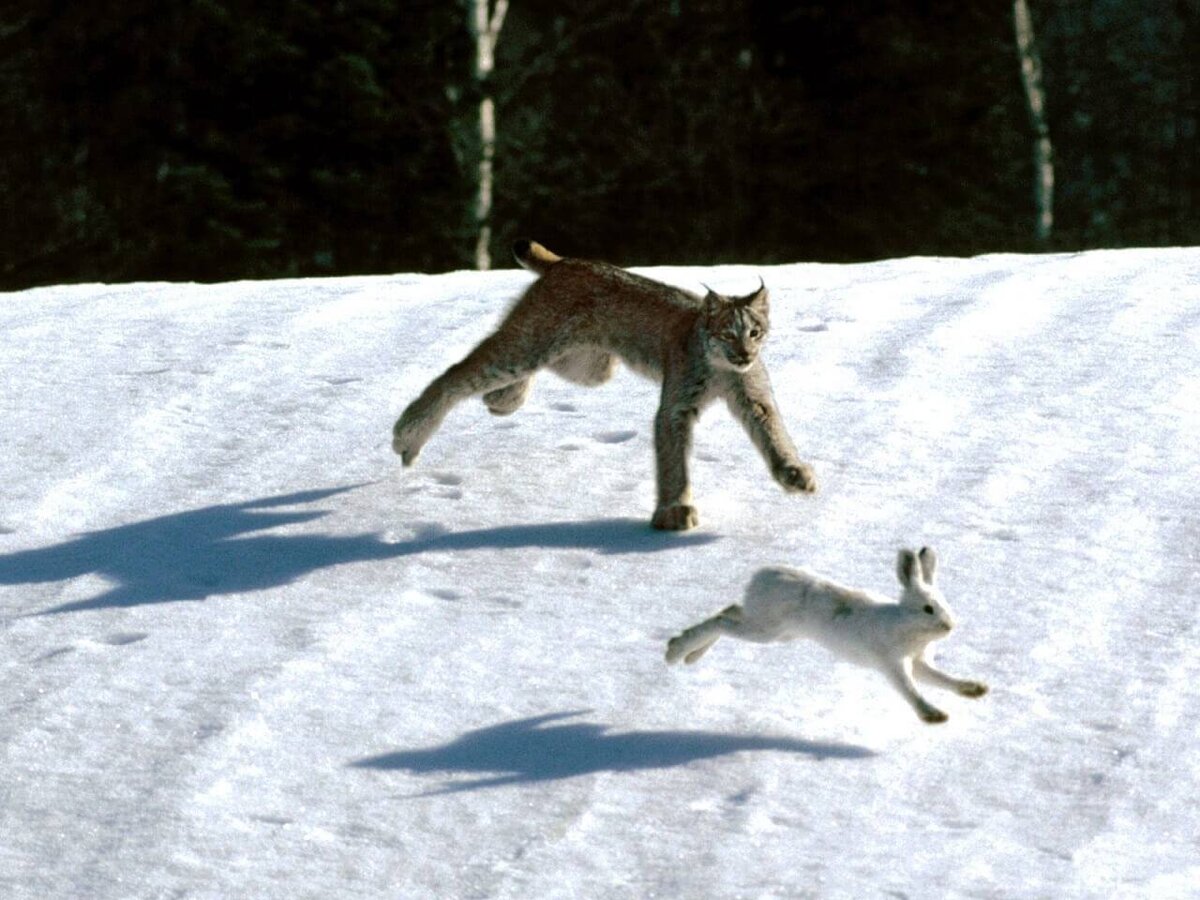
(578, 319)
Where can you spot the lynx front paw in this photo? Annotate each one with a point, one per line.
(679, 517)
(798, 478)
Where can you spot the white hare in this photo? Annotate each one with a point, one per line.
(783, 604)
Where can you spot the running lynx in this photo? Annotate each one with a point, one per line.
(578, 319)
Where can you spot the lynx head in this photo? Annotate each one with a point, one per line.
(735, 328)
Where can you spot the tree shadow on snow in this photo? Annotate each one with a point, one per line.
(529, 751)
(219, 550)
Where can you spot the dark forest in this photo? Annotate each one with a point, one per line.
(212, 140)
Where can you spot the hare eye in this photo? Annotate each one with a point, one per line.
(929, 609)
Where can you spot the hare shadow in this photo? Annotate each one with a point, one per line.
(544, 748)
(221, 550)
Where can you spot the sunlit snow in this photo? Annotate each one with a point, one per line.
(244, 653)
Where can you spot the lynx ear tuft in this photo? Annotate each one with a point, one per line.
(758, 298)
(712, 300)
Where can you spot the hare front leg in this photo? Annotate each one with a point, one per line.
(749, 397)
(901, 679)
(927, 673)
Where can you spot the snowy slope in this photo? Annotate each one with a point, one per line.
(243, 653)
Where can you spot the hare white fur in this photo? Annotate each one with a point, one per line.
(783, 604)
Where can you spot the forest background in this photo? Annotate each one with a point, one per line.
(210, 140)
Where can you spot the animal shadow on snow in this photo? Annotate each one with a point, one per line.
(534, 750)
(221, 549)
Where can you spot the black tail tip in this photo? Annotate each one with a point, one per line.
(521, 248)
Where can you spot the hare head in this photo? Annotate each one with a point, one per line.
(736, 327)
(918, 576)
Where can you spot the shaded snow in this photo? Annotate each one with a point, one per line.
(244, 653)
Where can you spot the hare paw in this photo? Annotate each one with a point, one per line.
(797, 478)
(933, 716)
(677, 517)
(972, 688)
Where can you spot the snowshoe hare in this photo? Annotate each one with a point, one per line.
(783, 604)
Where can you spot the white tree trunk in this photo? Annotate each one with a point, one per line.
(1035, 99)
(486, 22)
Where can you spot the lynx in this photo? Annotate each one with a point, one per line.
(578, 319)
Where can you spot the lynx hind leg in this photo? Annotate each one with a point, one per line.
(692, 643)
(588, 366)
(485, 370)
(507, 400)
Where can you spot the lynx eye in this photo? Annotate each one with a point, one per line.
(755, 333)
(929, 609)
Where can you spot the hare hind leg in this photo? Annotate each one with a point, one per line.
(694, 642)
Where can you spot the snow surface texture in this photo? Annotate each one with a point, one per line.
(243, 653)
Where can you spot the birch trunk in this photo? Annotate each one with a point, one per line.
(1035, 100)
(486, 22)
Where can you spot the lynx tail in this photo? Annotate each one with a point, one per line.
(534, 257)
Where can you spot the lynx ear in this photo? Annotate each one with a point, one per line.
(759, 298)
(712, 300)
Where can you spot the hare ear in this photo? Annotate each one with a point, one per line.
(929, 562)
(907, 567)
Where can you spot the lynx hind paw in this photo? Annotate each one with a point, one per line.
(797, 479)
(679, 517)
(403, 446)
(506, 400)
(407, 455)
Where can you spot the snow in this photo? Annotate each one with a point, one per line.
(243, 653)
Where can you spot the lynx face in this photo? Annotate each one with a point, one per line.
(736, 328)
